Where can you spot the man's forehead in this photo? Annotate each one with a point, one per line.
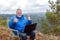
(19, 10)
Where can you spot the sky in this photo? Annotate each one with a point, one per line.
(27, 6)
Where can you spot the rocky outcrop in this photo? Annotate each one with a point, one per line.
(5, 34)
(41, 36)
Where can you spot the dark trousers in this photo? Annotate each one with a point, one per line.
(24, 35)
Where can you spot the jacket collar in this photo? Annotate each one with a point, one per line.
(20, 17)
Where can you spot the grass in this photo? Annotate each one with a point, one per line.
(3, 22)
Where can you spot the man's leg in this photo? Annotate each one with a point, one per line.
(23, 36)
(32, 35)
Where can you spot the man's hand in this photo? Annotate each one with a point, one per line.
(29, 18)
(15, 20)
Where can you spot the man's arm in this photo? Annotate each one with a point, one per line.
(11, 23)
(29, 20)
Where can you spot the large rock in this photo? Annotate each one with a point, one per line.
(5, 34)
(41, 36)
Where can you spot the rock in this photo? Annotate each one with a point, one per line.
(6, 35)
(40, 36)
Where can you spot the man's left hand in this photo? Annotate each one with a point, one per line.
(29, 18)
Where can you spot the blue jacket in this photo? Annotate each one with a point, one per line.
(20, 25)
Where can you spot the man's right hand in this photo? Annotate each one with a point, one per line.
(15, 20)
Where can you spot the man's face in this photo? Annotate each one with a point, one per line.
(19, 13)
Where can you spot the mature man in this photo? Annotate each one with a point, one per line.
(18, 22)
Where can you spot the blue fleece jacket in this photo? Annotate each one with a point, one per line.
(20, 25)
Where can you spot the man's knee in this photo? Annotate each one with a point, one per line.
(23, 35)
(32, 34)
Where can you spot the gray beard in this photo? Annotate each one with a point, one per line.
(19, 16)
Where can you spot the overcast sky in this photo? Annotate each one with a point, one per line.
(10, 6)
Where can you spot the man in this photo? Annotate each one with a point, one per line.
(18, 22)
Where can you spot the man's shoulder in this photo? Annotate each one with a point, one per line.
(24, 17)
(12, 17)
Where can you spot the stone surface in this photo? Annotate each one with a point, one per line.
(5, 35)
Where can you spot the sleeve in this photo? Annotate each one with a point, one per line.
(29, 22)
(11, 24)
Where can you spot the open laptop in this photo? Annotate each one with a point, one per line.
(30, 28)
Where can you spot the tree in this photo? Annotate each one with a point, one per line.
(44, 26)
(53, 17)
(58, 6)
(55, 6)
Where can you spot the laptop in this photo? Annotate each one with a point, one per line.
(30, 28)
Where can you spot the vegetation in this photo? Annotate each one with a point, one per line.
(3, 21)
(53, 18)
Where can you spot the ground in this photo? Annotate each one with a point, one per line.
(5, 34)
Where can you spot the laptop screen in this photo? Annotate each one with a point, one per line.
(30, 28)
